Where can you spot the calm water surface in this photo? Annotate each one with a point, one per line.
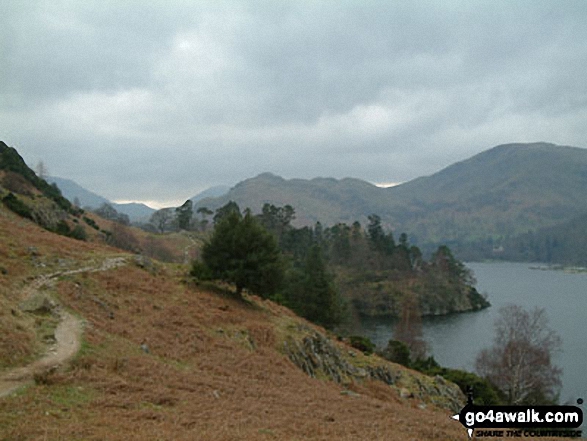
(455, 340)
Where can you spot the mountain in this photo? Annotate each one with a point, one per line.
(321, 199)
(212, 192)
(71, 190)
(506, 190)
(136, 211)
(503, 191)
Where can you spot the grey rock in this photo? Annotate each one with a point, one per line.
(38, 304)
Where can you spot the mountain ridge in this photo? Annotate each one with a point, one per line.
(501, 191)
(507, 190)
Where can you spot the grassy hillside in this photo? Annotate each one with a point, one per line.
(214, 371)
(213, 366)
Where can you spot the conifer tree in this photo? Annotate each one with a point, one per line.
(313, 295)
(242, 252)
(184, 215)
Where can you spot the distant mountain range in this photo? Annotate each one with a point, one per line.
(504, 191)
(71, 190)
(480, 203)
(507, 190)
(136, 212)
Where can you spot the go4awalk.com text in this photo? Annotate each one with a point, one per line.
(520, 421)
(510, 433)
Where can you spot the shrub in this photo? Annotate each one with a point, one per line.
(201, 271)
(362, 344)
(91, 222)
(78, 233)
(484, 392)
(123, 238)
(397, 352)
(17, 206)
(62, 228)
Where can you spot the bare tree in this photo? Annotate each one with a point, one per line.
(122, 237)
(204, 212)
(41, 170)
(520, 361)
(409, 328)
(162, 218)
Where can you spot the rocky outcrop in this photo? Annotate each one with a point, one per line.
(318, 356)
(465, 300)
(38, 304)
(321, 357)
(385, 300)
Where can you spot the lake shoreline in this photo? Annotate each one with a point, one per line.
(455, 340)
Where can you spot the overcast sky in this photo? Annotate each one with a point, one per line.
(158, 100)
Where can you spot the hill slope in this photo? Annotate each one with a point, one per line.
(506, 190)
(562, 244)
(212, 192)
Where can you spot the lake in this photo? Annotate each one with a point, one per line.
(456, 340)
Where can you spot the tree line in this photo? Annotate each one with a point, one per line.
(180, 218)
(246, 250)
(561, 244)
(320, 272)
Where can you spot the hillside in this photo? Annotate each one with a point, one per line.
(503, 191)
(561, 244)
(163, 358)
(506, 190)
(212, 192)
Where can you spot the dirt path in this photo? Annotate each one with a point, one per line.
(67, 334)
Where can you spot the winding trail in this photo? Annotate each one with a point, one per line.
(67, 334)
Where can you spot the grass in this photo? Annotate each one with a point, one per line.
(68, 396)
(196, 384)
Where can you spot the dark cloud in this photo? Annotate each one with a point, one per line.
(158, 100)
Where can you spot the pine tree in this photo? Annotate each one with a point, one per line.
(242, 252)
(317, 299)
(184, 215)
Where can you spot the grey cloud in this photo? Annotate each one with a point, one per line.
(147, 100)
